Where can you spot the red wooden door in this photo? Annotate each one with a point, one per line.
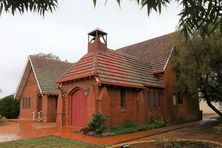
(79, 109)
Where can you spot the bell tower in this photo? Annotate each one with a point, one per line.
(97, 40)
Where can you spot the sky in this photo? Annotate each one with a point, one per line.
(64, 33)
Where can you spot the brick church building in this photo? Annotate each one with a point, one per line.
(132, 83)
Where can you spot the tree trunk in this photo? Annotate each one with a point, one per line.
(205, 92)
(213, 108)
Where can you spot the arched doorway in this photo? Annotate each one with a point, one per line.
(79, 109)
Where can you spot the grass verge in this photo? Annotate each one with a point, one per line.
(45, 142)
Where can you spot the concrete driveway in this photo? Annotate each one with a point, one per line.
(203, 130)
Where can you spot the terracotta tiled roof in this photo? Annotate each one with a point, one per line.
(114, 68)
(46, 72)
(156, 51)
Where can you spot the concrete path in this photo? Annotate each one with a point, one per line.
(199, 130)
(203, 130)
(27, 131)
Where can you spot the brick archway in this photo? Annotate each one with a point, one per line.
(79, 108)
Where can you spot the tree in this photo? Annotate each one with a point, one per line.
(199, 65)
(9, 107)
(48, 55)
(21, 6)
(204, 16)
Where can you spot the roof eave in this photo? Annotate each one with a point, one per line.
(75, 78)
(155, 86)
(120, 84)
(158, 72)
(48, 93)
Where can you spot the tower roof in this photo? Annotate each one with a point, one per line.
(98, 30)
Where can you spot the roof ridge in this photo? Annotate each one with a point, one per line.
(148, 40)
(55, 60)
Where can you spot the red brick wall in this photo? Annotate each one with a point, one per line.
(118, 114)
(136, 106)
(153, 112)
(30, 90)
(68, 90)
(189, 110)
(48, 103)
(106, 100)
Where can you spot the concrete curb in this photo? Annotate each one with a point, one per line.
(165, 140)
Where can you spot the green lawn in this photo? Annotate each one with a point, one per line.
(46, 142)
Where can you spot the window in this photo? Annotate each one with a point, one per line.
(150, 99)
(26, 102)
(29, 102)
(159, 100)
(174, 99)
(122, 98)
(23, 102)
(154, 98)
(177, 99)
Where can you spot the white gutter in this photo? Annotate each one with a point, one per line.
(168, 59)
(35, 75)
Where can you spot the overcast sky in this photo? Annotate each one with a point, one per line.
(64, 33)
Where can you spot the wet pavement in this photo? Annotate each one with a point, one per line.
(203, 130)
(199, 130)
(9, 127)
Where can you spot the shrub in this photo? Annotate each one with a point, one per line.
(9, 107)
(2, 119)
(130, 126)
(127, 126)
(97, 123)
(177, 120)
(156, 123)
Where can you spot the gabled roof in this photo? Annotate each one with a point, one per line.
(156, 51)
(114, 68)
(46, 72)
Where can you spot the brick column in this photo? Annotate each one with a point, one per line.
(45, 108)
(105, 104)
(91, 102)
(141, 113)
(59, 117)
